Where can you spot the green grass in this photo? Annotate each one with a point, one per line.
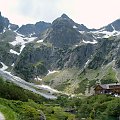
(48, 78)
(19, 104)
(18, 110)
(110, 77)
(62, 79)
(61, 87)
(106, 74)
(82, 86)
(8, 113)
(105, 107)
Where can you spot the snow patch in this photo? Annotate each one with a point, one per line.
(21, 40)
(22, 47)
(76, 45)
(30, 39)
(102, 29)
(12, 65)
(107, 34)
(4, 66)
(4, 30)
(86, 63)
(81, 32)
(47, 88)
(32, 34)
(39, 41)
(9, 27)
(113, 28)
(74, 26)
(93, 42)
(51, 72)
(38, 79)
(14, 52)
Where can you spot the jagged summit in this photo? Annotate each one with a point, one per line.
(33, 29)
(64, 16)
(6, 25)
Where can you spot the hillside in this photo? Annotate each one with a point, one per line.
(64, 55)
(19, 104)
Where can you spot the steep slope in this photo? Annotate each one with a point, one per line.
(32, 62)
(114, 26)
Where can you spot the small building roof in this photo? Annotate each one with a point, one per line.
(109, 86)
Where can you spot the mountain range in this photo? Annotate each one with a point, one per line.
(63, 54)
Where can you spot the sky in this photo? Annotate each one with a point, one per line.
(91, 13)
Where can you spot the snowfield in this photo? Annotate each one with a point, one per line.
(21, 40)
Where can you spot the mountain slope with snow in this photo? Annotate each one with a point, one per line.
(38, 52)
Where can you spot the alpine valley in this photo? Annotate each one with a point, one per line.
(60, 58)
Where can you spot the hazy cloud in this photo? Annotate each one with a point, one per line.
(39, 9)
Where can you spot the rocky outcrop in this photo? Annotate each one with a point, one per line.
(62, 33)
(13, 27)
(32, 62)
(33, 29)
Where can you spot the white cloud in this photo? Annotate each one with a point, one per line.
(93, 13)
(9, 9)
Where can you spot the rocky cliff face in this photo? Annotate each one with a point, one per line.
(62, 33)
(33, 62)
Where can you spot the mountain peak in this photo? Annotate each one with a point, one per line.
(64, 16)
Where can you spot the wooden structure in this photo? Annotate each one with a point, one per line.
(107, 88)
